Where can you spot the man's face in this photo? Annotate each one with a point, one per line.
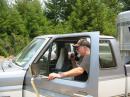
(81, 50)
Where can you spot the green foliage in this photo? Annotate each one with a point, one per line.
(93, 15)
(60, 28)
(3, 7)
(10, 24)
(58, 10)
(33, 16)
(126, 4)
(26, 19)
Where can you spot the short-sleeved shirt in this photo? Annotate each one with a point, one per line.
(84, 62)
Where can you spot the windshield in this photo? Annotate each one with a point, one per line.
(30, 51)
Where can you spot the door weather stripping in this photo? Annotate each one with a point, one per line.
(34, 87)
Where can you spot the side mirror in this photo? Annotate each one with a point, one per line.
(36, 73)
(35, 70)
(126, 68)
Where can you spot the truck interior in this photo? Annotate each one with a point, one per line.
(57, 58)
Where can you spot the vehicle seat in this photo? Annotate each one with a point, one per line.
(60, 60)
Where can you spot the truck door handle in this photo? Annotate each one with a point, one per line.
(80, 95)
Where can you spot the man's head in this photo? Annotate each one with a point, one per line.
(83, 47)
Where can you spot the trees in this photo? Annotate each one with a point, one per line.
(93, 15)
(125, 4)
(33, 16)
(84, 15)
(11, 25)
(25, 19)
(58, 10)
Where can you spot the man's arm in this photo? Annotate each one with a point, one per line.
(74, 72)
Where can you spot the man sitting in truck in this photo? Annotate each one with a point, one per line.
(83, 48)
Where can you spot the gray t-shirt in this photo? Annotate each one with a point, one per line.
(85, 63)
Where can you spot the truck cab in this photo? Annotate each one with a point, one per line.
(27, 74)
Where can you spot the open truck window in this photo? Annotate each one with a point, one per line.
(56, 58)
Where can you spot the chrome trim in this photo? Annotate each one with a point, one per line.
(10, 88)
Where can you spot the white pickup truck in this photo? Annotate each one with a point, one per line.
(109, 72)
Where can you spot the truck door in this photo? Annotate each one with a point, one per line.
(53, 59)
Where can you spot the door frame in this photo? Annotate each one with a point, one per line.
(91, 85)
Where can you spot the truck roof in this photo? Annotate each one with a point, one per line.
(124, 16)
(104, 36)
(74, 34)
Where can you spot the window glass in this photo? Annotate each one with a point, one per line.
(105, 55)
(25, 56)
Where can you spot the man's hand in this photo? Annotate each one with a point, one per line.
(71, 56)
(74, 72)
(53, 76)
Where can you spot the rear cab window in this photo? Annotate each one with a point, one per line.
(106, 56)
